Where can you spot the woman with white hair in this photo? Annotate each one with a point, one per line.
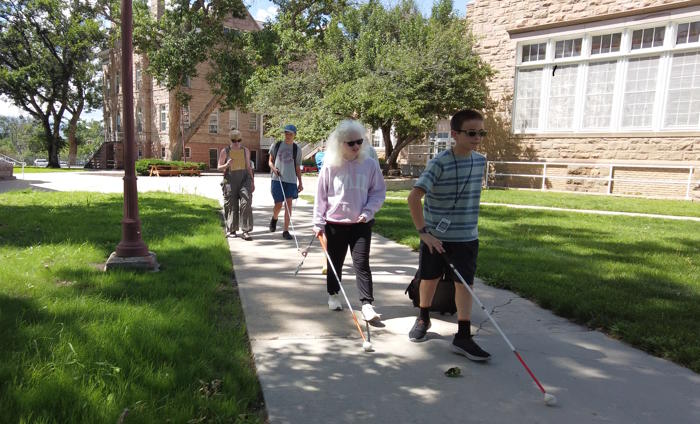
(350, 191)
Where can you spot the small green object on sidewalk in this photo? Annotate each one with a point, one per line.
(453, 372)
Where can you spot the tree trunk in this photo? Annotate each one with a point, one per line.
(392, 160)
(174, 133)
(72, 128)
(147, 86)
(386, 136)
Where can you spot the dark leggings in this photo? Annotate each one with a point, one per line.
(359, 238)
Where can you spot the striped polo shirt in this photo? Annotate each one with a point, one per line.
(443, 182)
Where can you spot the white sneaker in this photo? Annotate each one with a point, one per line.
(334, 302)
(369, 313)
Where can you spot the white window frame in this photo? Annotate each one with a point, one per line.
(622, 58)
(137, 78)
(253, 122)
(188, 153)
(186, 116)
(233, 119)
(163, 111)
(214, 122)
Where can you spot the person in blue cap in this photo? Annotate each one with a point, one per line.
(284, 161)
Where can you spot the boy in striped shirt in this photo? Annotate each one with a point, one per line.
(447, 224)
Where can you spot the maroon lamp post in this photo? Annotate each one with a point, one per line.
(131, 251)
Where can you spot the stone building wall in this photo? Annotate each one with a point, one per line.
(491, 21)
(494, 22)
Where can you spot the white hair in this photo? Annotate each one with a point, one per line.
(347, 130)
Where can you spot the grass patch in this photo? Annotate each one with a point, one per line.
(637, 279)
(584, 201)
(17, 170)
(80, 345)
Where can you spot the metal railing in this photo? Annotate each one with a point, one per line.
(609, 180)
(14, 162)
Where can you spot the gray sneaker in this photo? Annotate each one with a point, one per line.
(419, 330)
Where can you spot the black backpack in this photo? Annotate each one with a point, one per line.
(443, 300)
(295, 149)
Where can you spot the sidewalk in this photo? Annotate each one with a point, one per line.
(313, 370)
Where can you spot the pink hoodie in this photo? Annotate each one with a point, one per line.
(346, 192)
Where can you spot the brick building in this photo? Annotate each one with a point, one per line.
(598, 82)
(152, 110)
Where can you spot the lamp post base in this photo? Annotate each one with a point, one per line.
(137, 263)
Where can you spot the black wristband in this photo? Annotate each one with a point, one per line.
(423, 230)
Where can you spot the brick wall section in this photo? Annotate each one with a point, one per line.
(490, 21)
(202, 140)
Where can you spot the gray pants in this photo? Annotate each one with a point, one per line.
(238, 201)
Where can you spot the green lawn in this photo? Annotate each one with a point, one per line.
(81, 346)
(40, 170)
(637, 279)
(585, 201)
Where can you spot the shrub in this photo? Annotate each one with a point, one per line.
(143, 165)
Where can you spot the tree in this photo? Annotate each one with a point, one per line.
(391, 68)
(89, 136)
(188, 34)
(44, 48)
(20, 137)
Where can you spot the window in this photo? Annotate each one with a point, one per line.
(214, 122)
(187, 83)
(648, 37)
(683, 102)
(233, 120)
(117, 84)
(613, 76)
(163, 117)
(188, 153)
(139, 120)
(119, 123)
(213, 158)
(533, 52)
(186, 116)
(688, 33)
(562, 97)
(137, 79)
(527, 106)
(253, 122)
(640, 88)
(608, 43)
(140, 152)
(162, 152)
(599, 95)
(567, 48)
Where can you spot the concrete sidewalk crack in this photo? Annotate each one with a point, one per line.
(493, 312)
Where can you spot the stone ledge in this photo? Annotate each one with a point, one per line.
(138, 263)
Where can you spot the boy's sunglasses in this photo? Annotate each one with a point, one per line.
(353, 142)
(473, 133)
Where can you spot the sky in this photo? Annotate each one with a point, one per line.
(264, 9)
(261, 10)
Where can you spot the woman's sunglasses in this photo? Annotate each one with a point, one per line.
(473, 133)
(353, 142)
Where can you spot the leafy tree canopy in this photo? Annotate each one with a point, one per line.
(190, 33)
(48, 50)
(392, 68)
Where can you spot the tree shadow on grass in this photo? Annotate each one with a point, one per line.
(84, 344)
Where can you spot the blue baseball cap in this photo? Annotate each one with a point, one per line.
(290, 128)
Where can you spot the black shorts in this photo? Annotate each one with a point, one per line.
(462, 254)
